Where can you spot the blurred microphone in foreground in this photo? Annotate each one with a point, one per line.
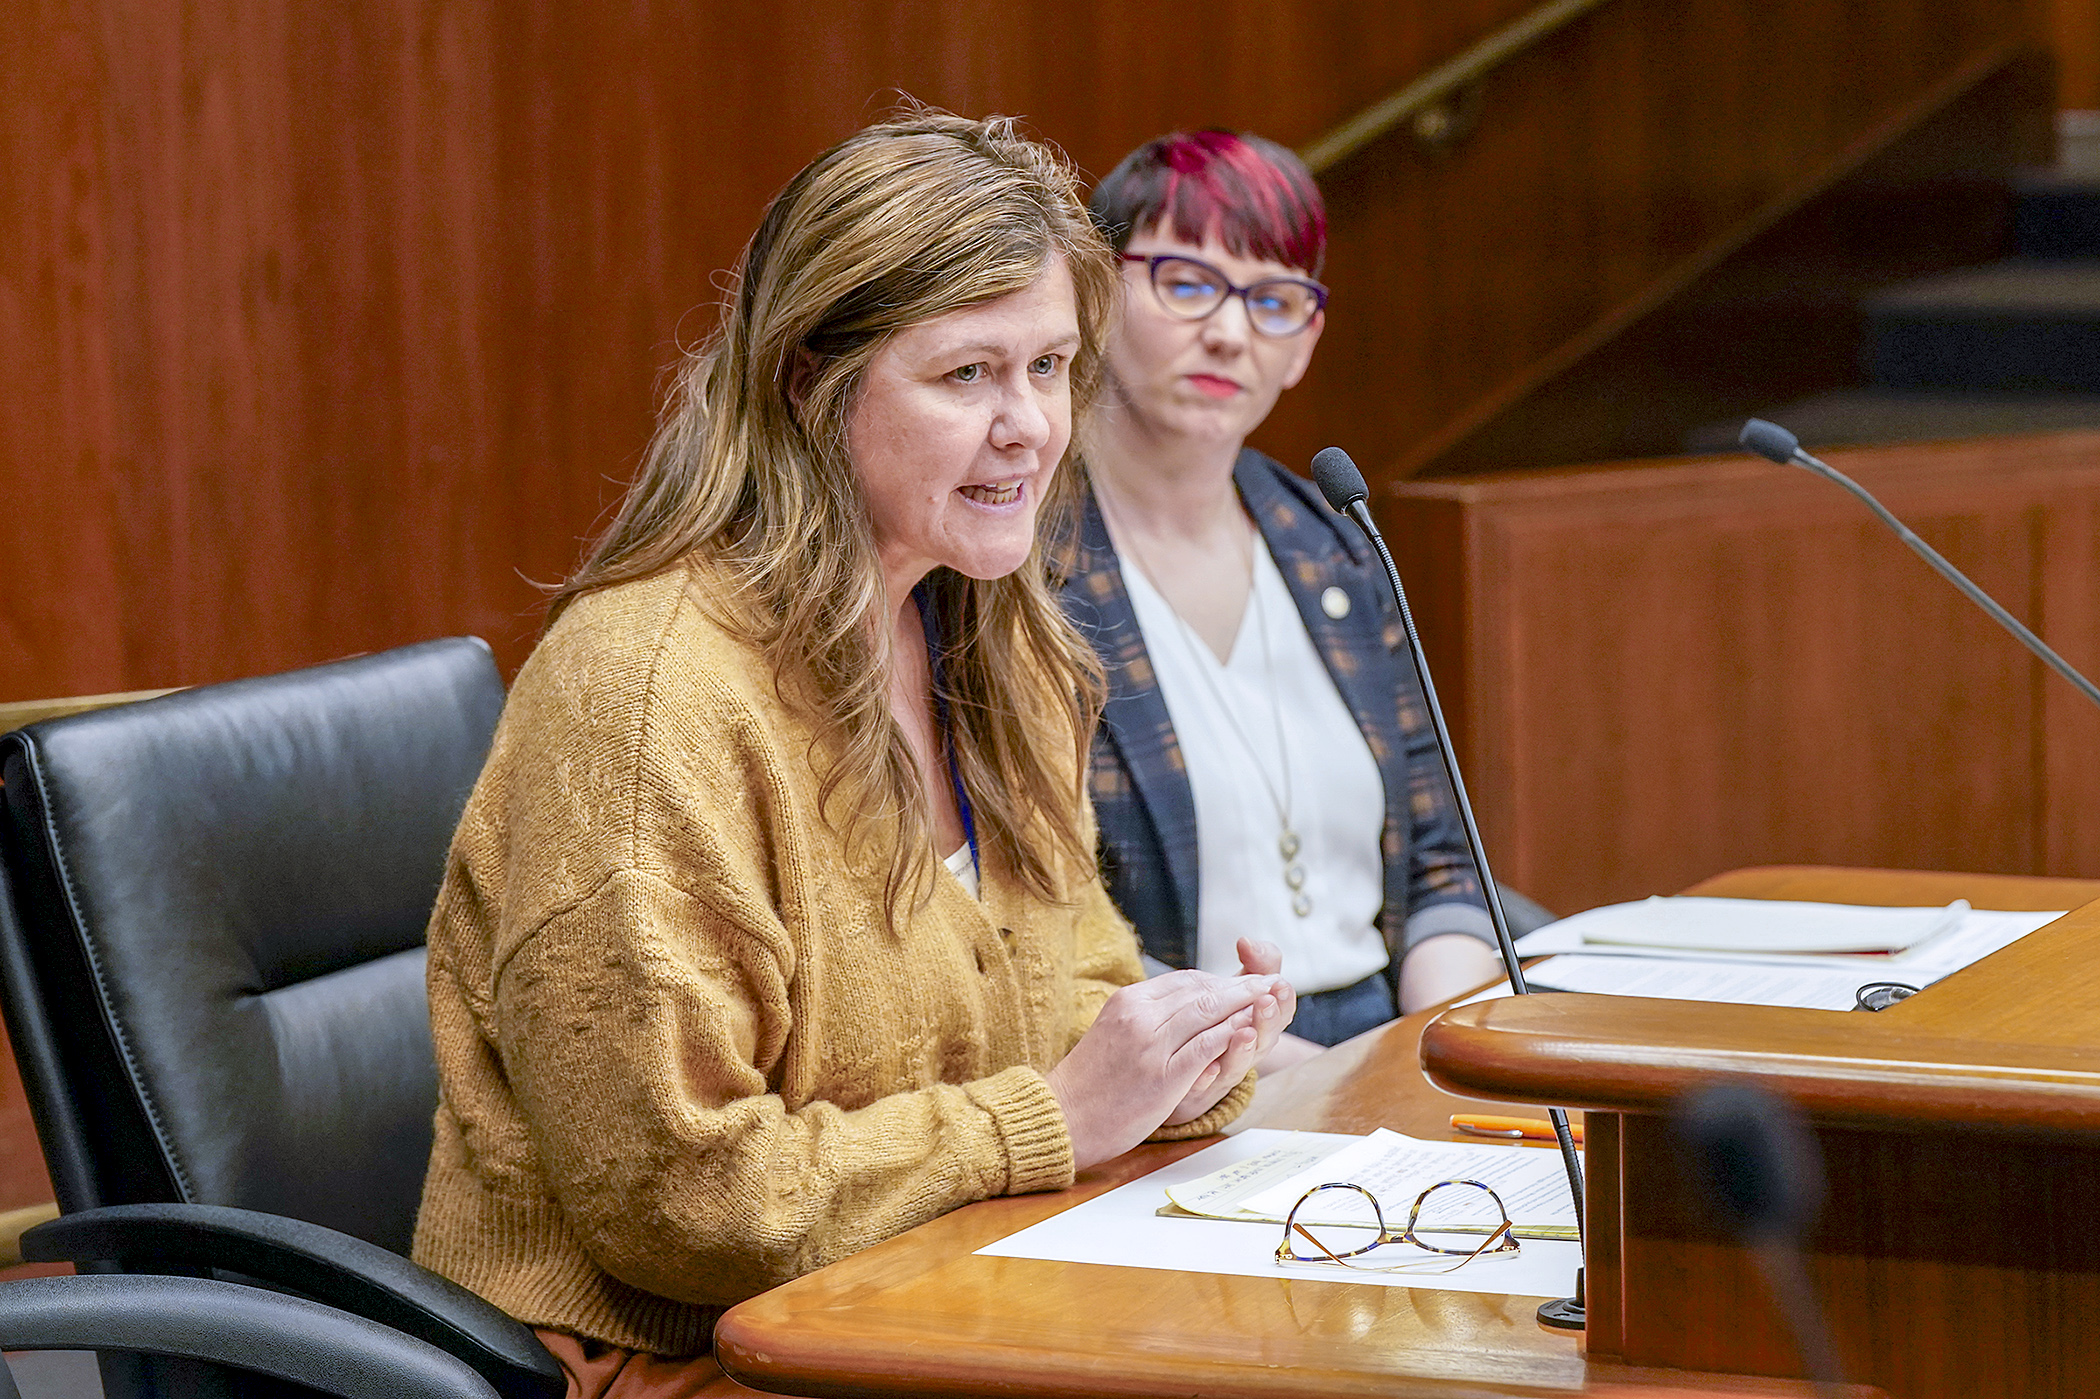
(1758, 1167)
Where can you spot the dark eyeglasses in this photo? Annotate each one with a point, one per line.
(1190, 289)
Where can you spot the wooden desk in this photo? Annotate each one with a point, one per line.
(1956, 1258)
(920, 1315)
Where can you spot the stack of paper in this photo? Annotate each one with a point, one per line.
(1532, 1184)
(1689, 924)
(1762, 951)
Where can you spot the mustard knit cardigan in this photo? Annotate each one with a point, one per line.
(682, 1056)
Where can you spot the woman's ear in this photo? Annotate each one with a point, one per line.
(802, 375)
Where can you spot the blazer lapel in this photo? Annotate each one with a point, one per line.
(1135, 717)
(1317, 561)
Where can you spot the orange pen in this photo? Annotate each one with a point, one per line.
(1536, 1129)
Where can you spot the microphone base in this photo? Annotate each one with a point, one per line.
(1566, 1313)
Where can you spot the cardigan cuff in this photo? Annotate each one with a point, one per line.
(1228, 1107)
(1032, 1127)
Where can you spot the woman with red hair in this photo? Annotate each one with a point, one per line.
(1265, 766)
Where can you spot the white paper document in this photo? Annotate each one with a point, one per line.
(1808, 981)
(1124, 1228)
(1692, 924)
(1223, 1194)
(1686, 979)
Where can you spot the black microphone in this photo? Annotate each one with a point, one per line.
(1760, 1170)
(1775, 443)
(1343, 485)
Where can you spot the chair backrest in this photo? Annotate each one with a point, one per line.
(212, 959)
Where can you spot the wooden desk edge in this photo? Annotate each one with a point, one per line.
(1835, 884)
(1588, 1052)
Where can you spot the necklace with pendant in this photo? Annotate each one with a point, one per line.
(1287, 843)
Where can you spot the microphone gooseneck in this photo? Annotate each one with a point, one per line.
(1775, 443)
(1343, 486)
(1758, 1167)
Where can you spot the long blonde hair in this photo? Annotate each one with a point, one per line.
(908, 220)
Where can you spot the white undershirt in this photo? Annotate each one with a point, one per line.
(1337, 797)
(964, 867)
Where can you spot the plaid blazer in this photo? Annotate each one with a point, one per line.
(1140, 787)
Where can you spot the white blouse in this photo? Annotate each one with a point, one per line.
(1228, 719)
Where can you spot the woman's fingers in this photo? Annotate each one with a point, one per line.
(1285, 1008)
(1196, 1007)
(1217, 1077)
(1209, 1045)
(1260, 958)
(1238, 1058)
(1166, 984)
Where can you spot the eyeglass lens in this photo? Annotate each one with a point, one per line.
(1193, 290)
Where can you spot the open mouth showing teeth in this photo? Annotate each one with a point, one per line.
(994, 495)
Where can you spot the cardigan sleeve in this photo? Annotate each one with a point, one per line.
(1443, 888)
(1105, 959)
(630, 1028)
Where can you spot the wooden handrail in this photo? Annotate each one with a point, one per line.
(1625, 1054)
(1430, 91)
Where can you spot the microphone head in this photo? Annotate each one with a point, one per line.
(1338, 479)
(1770, 440)
(1754, 1158)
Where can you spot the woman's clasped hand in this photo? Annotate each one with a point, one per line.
(1165, 1051)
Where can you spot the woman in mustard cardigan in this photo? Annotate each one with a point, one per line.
(772, 928)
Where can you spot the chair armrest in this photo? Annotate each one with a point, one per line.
(224, 1323)
(333, 1268)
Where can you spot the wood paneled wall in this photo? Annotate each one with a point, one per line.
(1659, 672)
(325, 327)
(1613, 165)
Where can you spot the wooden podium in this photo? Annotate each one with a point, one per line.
(1958, 1254)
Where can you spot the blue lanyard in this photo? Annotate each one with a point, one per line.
(937, 660)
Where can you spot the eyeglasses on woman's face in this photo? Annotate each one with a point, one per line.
(1190, 289)
(1342, 1223)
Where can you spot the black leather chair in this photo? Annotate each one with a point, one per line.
(313, 1348)
(211, 964)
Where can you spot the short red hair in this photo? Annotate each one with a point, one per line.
(1256, 196)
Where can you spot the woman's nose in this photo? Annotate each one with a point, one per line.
(1228, 326)
(1022, 422)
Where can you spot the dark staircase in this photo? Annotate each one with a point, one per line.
(2009, 347)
